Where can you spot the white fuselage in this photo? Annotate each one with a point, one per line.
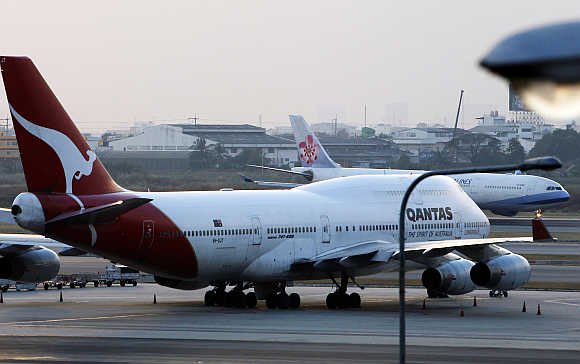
(257, 235)
(504, 194)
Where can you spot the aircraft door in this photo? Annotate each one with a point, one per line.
(148, 234)
(256, 231)
(325, 228)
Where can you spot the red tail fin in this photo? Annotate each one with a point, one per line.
(55, 156)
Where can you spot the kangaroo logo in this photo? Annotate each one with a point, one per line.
(73, 162)
(309, 150)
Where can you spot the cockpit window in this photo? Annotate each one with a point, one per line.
(554, 188)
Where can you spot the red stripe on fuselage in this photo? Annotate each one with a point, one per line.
(168, 253)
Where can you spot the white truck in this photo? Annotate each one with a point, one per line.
(118, 273)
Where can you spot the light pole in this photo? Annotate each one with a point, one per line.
(543, 163)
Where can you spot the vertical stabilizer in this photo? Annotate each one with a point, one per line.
(311, 152)
(55, 156)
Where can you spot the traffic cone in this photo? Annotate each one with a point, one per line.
(524, 308)
(461, 313)
(424, 304)
(1, 297)
(474, 301)
(539, 311)
(154, 298)
(60, 299)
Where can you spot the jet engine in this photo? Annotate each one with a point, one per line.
(502, 273)
(36, 264)
(449, 278)
(180, 284)
(28, 213)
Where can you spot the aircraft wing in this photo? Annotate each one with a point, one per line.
(361, 255)
(307, 175)
(271, 184)
(6, 216)
(14, 243)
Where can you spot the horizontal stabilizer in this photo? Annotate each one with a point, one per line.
(100, 214)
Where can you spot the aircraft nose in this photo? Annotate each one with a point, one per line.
(565, 194)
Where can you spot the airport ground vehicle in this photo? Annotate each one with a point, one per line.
(343, 227)
(118, 273)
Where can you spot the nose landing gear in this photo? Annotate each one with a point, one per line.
(496, 293)
(341, 299)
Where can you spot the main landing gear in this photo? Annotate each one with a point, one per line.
(341, 299)
(233, 298)
(278, 298)
(496, 293)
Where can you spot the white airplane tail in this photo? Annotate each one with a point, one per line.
(311, 152)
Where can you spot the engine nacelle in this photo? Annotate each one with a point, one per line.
(34, 265)
(451, 277)
(180, 284)
(502, 273)
(28, 213)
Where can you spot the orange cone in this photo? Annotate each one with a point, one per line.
(424, 304)
(539, 311)
(461, 313)
(524, 308)
(474, 301)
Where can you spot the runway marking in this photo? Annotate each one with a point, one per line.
(78, 319)
(565, 303)
(22, 358)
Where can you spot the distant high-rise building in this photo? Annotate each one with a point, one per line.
(396, 113)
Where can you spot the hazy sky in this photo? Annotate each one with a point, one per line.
(113, 62)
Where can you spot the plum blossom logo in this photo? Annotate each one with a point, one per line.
(309, 150)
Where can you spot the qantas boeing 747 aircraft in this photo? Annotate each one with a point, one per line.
(340, 228)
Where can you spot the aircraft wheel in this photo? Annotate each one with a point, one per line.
(331, 300)
(209, 298)
(272, 301)
(239, 299)
(283, 301)
(251, 300)
(134, 283)
(220, 298)
(505, 294)
(96, 284)
(343, 300)
(230, 299)
(354, 299)
(109, 283)
(46, 286)
(72, 285)
(294, 300)
(122, 283)
(59, 286)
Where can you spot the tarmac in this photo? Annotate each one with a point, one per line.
(123, 325)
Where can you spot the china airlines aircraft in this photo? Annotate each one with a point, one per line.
(503, 194)
(340, 228)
